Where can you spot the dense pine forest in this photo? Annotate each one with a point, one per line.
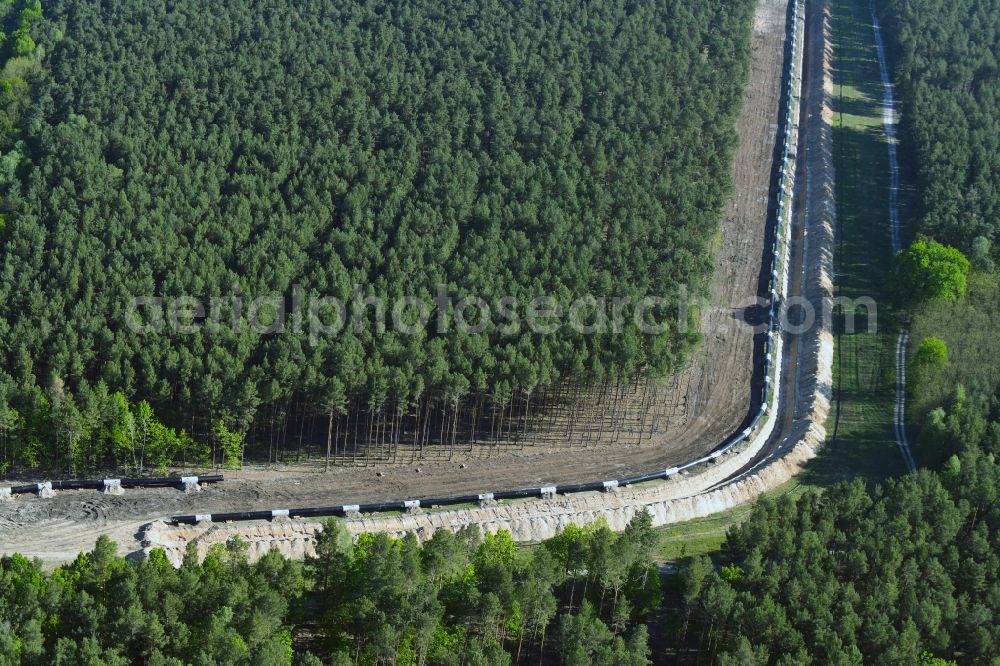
(356, 149)
(457, 599)
(944, 62)
(905, 574)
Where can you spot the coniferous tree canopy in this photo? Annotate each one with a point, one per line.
(905, 574)
(502, 149)
(945, 62)
(457, 599)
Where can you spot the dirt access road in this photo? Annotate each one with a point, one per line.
(716, 387)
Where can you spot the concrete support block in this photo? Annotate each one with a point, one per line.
(190, 484)
(548, 492)
(412, 506)
(486, 499)
(610, 486)
(280, 514)
(45, 490)
(200, 518)
(352, 511)
(5, 495)
(113, 487)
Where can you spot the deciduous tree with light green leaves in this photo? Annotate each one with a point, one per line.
(230, 445)
(928, 270)
(929, 360)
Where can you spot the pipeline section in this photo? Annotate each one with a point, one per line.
(103, 484)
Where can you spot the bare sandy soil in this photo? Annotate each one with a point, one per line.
(714, 390)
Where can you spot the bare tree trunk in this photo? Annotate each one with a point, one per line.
(329, 440)
(302, 429)
(336, 439)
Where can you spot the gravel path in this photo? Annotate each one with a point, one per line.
(890, 126)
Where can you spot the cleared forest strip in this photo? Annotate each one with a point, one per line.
(862, 438)
(889, 126)
(809, 376)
